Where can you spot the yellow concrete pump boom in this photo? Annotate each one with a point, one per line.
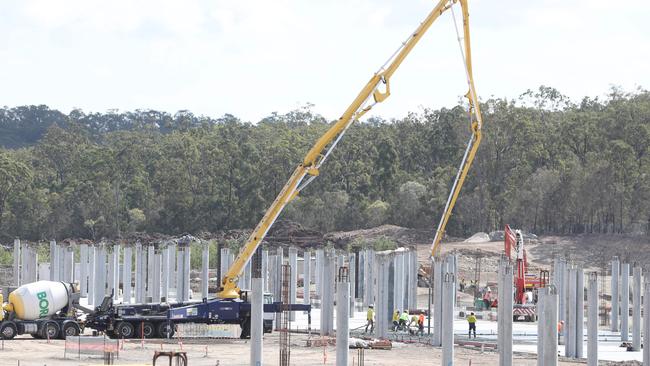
(309, 168)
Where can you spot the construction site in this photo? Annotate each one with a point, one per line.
(549, 279)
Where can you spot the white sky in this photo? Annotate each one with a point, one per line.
(250, 58)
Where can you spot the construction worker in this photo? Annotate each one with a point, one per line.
(413, 323)
(421, 324)
(560, 328)
(403, 319)
(462, 284)
(370, 318)
(471, 320)
(395, 320)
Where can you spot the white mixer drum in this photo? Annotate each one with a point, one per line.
(39, 299)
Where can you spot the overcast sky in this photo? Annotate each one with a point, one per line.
(251, 58)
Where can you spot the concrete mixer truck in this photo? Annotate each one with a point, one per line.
(43, 309)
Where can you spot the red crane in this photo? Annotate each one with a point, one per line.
(513, 238)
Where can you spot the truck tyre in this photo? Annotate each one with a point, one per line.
(124, 330)
(165, 330)
(8, 330)
(50, 330)
(70, 329)
(146, 330)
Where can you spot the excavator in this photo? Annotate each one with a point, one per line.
(231, 305)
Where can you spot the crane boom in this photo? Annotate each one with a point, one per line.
(309, 168)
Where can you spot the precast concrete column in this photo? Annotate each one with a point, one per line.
(265, 269)
(126, 274)
(352, 266)
(116, 270)
(413, 279)
(500, 300)
(293, 280)
(279, 258)
(342, 318)
(383, 310)
(505, 337)
(547, 326)
(187, 269)
(360, 276)
(110, 275)
(61, 264)
(540, 326)
(437, 301)
(16, 271)
(257, 309)
(247, 275)
(164, 272)
(636, 310)
(580, 312)
(646, 321)
(448, 282)
(172, 265)
(150, 276)
(559, 270)
(139, 274)
(306, 277)
(83, 270)
(625, 302)
(223, 263)
(272, 283)
(318, 273)
(54, 273)
(100, 274)
(592, 319)
(570, 324)
(157, 268)
(183, 259)
(614, 286)
(205, 265)
(567, 301)
(69, 264)
(327, 296)
(398, 281)
(369, 278)
(92, 270)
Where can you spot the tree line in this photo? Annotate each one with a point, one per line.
(546, 164)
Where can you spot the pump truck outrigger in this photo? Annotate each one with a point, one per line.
(370, 95)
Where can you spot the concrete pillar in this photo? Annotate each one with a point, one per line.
(448, 319)
(16, 271)
(580, 312)
(150, 276)
(165, 271)
(636, 311)
(61, 264)
(559, 269)
(91, 271)
(413, 279)
(110, 274)
(437, 302)
(369, 274)
(319, 272)
(265, 269)
(547, 326)
(139, 274)
(83, 270)
(646, 321)
(183, 262)
(69, 264)
(116, 270)
(614, 286)
(398, 283)
(54, 260)
(157, 268)
(352, 267)
(625, 302)
(293, 281)
(172, 265)
(205, 265)
(278, 273)
(505, 316)
(100, 274)
(592, 320)
(327, 300)
(223, 263)
(306, 277)
(257, 310)
(570, 324)
(383, 311)
(342, 318)
(126, 274)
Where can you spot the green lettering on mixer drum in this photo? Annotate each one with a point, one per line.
(43, 304)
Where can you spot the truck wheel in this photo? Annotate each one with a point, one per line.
(8, 330)
(145, 330)
(70, 329)
(124, 330)
(165, 330)
(50, 330)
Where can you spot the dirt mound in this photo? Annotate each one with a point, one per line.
(478, 238)
(290, 233)
(401, 235)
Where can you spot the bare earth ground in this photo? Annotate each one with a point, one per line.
(33, 352)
